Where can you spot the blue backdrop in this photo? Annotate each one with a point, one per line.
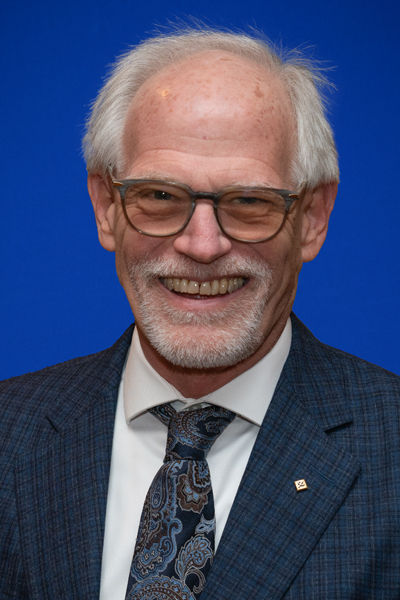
(60, 296)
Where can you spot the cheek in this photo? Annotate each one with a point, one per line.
(132, 246)
(283, 255)
(128, 247)
(282, 250)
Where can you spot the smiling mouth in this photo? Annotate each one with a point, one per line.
(204, 288)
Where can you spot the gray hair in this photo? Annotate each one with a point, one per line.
(315, 158)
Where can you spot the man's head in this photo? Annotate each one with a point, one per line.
(315, 157)
(211, 111)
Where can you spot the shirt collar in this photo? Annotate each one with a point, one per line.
(144, 388)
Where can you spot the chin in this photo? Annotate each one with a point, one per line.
(203, 347)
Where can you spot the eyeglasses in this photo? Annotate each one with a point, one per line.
(246, 214)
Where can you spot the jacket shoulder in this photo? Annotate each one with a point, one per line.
(332, 382)
(319, 358)
(64, 389)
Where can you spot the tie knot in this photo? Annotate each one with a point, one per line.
(192, 433)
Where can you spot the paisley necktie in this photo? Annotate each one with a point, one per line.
(175, 543)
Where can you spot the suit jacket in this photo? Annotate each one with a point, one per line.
(333, 421)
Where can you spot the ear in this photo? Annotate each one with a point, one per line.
(317, 208)
(102, 197)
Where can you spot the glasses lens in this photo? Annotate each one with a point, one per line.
(157, 208)
(251, 215)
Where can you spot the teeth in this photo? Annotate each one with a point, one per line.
(223, 286)
(206, 288)
(193, 287)
(215, 287)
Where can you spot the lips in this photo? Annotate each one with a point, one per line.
(204, 288)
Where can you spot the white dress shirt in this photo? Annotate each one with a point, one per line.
(140, 440)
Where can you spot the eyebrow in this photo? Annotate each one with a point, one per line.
(154, 175)
(163, 177)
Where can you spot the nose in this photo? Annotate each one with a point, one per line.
(202, 240)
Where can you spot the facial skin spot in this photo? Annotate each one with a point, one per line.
(258, 92)
(164, 93)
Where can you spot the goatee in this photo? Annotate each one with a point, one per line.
(202, 339)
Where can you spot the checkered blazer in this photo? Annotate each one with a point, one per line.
(334, 421)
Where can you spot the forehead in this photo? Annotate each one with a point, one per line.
(213, 103)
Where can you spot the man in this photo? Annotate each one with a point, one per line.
(212, 173)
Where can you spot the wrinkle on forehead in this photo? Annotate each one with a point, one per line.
(213, 96)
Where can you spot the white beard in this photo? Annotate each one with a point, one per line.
(202, 340)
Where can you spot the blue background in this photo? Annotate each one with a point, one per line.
(60, 296)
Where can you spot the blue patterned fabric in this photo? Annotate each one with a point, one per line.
(334, 421)
(175, 542)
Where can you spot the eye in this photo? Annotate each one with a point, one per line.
(246, 200)
(160, 195)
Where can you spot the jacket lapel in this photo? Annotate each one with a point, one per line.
(272, 527)
(62, 488)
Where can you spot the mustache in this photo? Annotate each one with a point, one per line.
(184, 268)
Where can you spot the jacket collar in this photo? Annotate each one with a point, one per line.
(86, 379)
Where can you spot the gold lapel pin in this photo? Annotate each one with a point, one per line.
(301, 485)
